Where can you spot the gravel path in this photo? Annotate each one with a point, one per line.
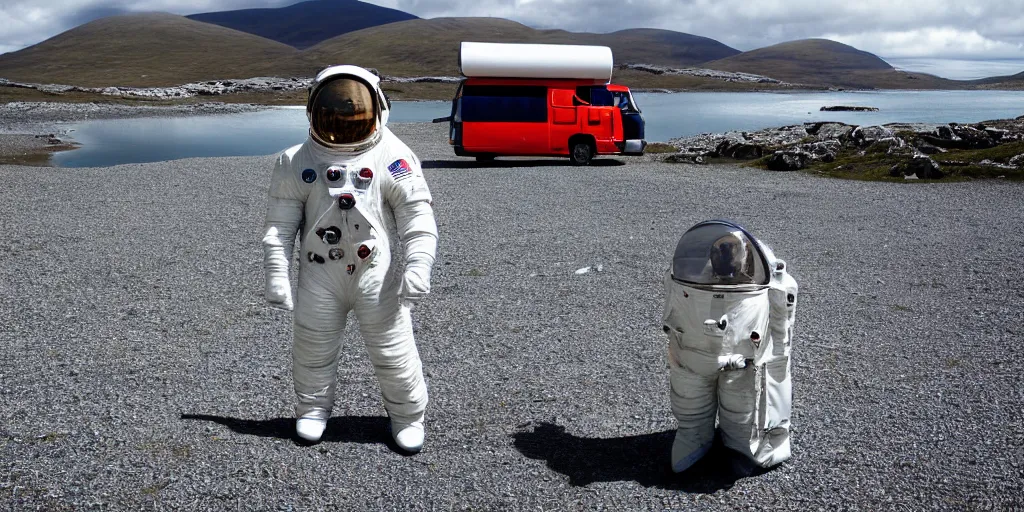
(141, 369)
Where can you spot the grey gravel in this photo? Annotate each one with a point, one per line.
(142, 369)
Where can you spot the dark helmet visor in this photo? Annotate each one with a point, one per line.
(342, 111)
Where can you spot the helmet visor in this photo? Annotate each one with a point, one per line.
(342, 112)
(715, 253)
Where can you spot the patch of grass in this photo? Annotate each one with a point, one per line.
(660, 147)
(952, 362)
(476, 273)
(1002, 154)
(900, 307)
(874, 166)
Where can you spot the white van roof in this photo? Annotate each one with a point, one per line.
(507, 60)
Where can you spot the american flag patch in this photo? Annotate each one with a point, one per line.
(400, 170)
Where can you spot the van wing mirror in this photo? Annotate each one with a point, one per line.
(442, 119)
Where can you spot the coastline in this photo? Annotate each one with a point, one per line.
(32, 131)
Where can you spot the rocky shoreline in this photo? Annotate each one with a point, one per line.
(208, 88)
(286, 84)
(916, 148)
(726, 76)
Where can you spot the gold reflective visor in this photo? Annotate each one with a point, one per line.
(342, 112)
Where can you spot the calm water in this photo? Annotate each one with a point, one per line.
(111, 142)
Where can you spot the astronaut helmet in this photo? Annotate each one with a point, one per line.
(347, 109)
(721, 254)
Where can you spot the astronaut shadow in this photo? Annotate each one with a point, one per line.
(473, 164)
(643, 459)
(344, 429)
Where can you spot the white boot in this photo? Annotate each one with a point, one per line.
(408, 436)
(310, 426)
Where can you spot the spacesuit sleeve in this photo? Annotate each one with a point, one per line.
(782, 297)
(409, 197)
(284, 215)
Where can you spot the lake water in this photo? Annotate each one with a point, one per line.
(111, 142)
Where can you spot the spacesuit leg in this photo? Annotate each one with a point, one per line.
(386, 327)
(694, 404)
(737, 409)
(320, 316)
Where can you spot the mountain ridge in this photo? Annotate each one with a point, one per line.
(160, 49)
(305, 24)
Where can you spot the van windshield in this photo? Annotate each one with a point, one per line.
(624, 100)
(600, 96)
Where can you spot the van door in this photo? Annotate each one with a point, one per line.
(564, 122)
(600, 119)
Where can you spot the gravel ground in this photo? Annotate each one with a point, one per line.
(143, 371)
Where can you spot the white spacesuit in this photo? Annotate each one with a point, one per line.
(729, 313)
(345, 190)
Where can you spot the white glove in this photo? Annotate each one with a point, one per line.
(279, 293)
(415, 284)
(732, 362)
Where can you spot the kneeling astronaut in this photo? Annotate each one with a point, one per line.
(345, 190)
(729, 314)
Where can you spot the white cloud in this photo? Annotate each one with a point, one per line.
(907, 29)
(948, 42)
(959, 69)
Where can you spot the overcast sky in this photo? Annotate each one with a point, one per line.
(951, 38)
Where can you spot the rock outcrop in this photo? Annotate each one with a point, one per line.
(794, 147)
(209, 88)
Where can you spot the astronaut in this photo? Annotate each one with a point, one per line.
(347, 191)
(729, 312)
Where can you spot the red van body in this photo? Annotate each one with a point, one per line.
(544, 117)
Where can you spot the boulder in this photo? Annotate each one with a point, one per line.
(739, 150)
(865, 135)
(1017, 160)
(974, 138)
(829, 131)
(996, 134)
(927, 148)
(685, 158)
(956, 136)
(788, 160)
(921, 166)
(824, 151)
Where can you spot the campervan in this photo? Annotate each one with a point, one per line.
(542, 100)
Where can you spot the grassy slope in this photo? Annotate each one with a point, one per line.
(825, 62)
(431, 47)
(153, 49)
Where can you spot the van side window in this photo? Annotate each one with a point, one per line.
(601, 97)
(504, 103)
(583, 95)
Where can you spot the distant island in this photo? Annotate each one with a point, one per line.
(847, 108)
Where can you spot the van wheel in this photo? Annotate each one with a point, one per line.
(581, 153)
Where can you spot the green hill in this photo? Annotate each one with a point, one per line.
(431, 47)
(152, 49)
(825, 62)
